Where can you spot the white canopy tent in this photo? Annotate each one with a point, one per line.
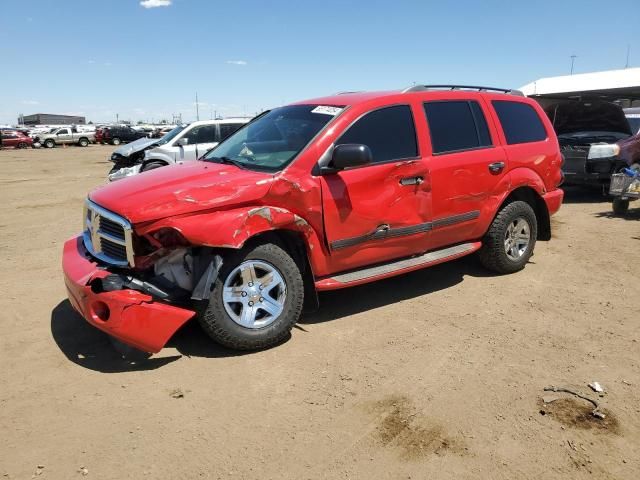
(609, 85)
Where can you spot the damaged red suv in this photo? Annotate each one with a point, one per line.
(319, 195)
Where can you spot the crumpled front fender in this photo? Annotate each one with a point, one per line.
(232, 228)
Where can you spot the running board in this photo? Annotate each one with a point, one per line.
(398, 267)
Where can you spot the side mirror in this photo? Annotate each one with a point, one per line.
(350, 155)
(182, 142)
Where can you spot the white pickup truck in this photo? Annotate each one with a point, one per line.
(66, 135)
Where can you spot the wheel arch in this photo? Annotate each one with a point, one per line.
(532, 197)
(152, 160)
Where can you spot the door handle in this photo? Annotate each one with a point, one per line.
(496, 167)
(411, 181)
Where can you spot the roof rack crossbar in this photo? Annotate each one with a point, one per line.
(422, 88)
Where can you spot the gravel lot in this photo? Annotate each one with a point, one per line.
(436, 374)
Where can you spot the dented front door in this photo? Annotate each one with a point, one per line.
(376, 213)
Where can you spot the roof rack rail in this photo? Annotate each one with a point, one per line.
(348, 92)
(422, 88)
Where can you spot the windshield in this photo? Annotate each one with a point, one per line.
(172, 134)
(273, 140)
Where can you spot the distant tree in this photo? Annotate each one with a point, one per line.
(163, 122)
(140, 122)
(89, 122)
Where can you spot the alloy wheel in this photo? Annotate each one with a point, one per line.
(517, 238)
(254, 294)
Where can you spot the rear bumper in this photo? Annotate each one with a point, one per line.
(128, 315)
(553, 199)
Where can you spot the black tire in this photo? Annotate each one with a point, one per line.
(223, 329)
(49, 143)
(115, 141)
(22, 145)
(620, 206)
(493, 254)
(83, 142)
(152, 166)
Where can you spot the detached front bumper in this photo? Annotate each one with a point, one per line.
(128, 315)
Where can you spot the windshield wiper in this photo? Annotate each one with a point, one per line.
(227, 160)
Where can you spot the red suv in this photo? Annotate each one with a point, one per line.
(319, 195)
(15, 138)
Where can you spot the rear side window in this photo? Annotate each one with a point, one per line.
(389, 133)
(520, 122)
(456, 126)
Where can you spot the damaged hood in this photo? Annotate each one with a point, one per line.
(136, 146)
(180, 189)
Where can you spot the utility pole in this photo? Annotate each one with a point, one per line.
(573, 59)
(626, 65)
(197, 109)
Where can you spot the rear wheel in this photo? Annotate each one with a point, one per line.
(22, 145)
(509, 242)
(620, 206)
(49, 143)
(83, 142)
(116, 141)
(257, 299)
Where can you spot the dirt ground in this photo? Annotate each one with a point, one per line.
(435, 374)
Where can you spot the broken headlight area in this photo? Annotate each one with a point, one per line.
(167, 268)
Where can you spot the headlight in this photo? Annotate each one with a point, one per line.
(603, 151)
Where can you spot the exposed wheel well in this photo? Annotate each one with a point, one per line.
(293, 243)
(529, 195)
(152, 160)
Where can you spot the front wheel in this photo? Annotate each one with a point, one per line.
(620, 206)
(509, 242)
(257, 299)
(115, 141)
(49, 143)
(153, 166)
(22, 145)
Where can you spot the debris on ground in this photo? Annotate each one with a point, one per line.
(595, 412)
(549, 398)
(84, 471)
(177, 393)
(596, 387)
(39, 470)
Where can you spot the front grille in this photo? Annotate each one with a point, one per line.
(108, 236)
(112, 228)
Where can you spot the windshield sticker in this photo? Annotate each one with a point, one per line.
(327, 110)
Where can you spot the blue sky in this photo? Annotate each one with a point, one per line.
(99, 58)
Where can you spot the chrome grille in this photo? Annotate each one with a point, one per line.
(107, 236)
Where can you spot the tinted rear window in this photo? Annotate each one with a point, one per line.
(520, 122)
(456, 126)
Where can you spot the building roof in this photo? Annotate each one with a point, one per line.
(610, 84)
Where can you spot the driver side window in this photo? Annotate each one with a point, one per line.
(389, 132)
